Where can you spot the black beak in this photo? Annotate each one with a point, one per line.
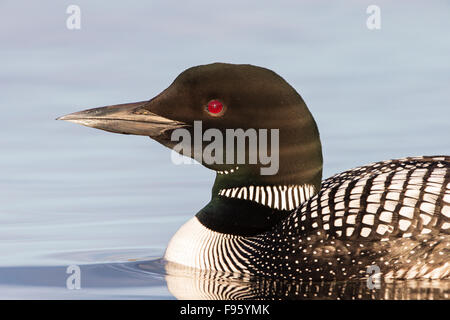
(128, 118)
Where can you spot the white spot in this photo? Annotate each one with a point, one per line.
(354, 204)
(374, 198)
(340, 206)
(410, 202)
(339, 213)
(365, 232)
(447, 198)
(358, 190)
(349, 231)
(404, 224)
(407, 235)
(386, 216)
(412, 193)
(390, 205)
(431, 198)
(372, 208)
(428, 207)
(425, 218)
(396, 186)
(434, 190)
(382, 229)
(393, 196)
(407, 212)
(368, 219)
(436, 179)
(446, 211)
(351, 219)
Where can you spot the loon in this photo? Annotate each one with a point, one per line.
(393, 215)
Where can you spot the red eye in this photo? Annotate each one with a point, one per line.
(215, 107)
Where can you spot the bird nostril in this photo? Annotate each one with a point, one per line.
(94, 112)
(141, 111)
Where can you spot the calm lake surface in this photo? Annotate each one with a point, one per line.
(110, 203)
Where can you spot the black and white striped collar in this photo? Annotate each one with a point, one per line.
(280, 197)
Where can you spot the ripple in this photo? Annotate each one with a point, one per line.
(117, 255)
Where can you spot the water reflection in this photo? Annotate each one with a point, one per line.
(186, 283)
(147, 279)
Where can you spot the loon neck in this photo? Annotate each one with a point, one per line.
(244, 204)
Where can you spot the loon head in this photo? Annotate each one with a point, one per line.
(212, 102)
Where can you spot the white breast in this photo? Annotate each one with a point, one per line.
(196, 246)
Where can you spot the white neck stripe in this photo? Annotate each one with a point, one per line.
(276, 197)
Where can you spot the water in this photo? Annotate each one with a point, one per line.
(110, 203)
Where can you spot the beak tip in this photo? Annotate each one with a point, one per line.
(62, 118)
